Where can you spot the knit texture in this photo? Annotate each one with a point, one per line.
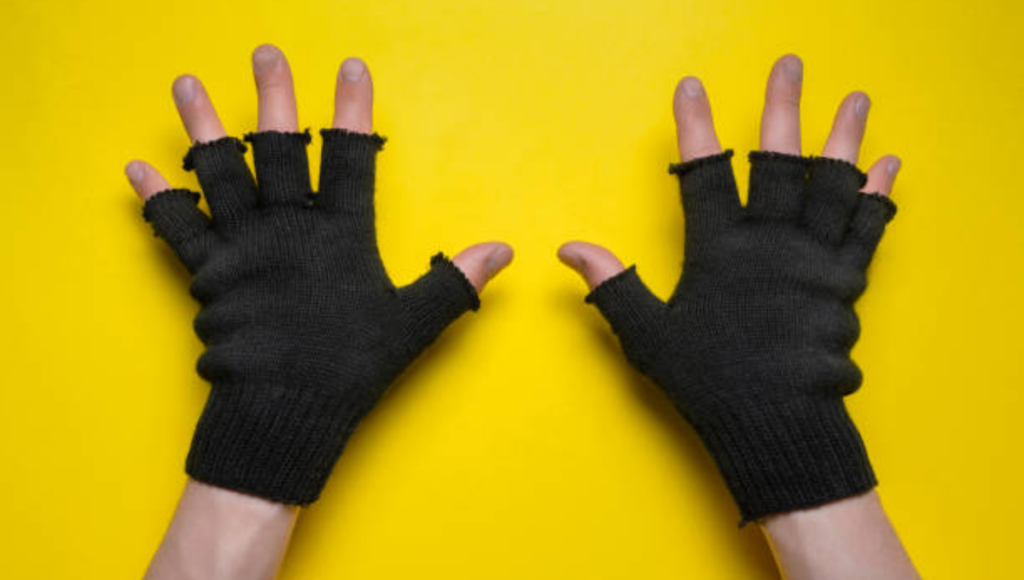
(753, 346)
(303, 328)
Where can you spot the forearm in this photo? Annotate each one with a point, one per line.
(847, 539)
(219, 533)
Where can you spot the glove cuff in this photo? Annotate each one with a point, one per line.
(276, 443)
(780, 457)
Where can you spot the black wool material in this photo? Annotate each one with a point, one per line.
(304, 331)
(753, 346)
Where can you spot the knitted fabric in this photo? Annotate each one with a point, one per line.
(303, 329)
(753, 346)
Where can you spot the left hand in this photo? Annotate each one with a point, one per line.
(304, 330)
(753, 346)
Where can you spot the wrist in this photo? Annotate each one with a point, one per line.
(781, 456)
(221, 533)
(844, 539)
(232, 507)
(276, 443)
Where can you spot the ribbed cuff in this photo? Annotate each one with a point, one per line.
(275, 443)
(778, 458)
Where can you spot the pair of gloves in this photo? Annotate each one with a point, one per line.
(304, 331)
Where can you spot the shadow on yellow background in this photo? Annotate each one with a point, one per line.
(522, 445)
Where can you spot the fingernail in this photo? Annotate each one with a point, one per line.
(692, 87)
(576, 260)
(794, 69)
(860, 108)
(184, 90)
(496, 260)
(265, 58)
(352, 69)
(134, 172)
(893, 168)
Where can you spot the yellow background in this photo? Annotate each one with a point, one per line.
(522, 445)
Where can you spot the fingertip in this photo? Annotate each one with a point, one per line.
(195, 109)
(501, 255)
(695, 131)
(570, 254)
(481, 262)
(564, 254)
(594, 263)
(848, 127)
(135, 172)
(353, 69)
(184, 89)
(145, 180)
(860, 103)
(353, 106)
(882, 175)
(275, 90)
(780, 119)
(893, 165)
(183, 79)
(265, 57)
(792, 67)
(688, 87)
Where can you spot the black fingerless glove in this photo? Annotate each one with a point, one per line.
(754, 345)
(304, 331)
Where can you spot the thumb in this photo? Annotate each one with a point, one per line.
(636, 315)
(481, 262)
(447, 290)
(591, 261)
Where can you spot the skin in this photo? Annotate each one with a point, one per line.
(219, 533)
(847, 539)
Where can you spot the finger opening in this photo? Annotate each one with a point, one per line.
(867, 226)
(186, 229)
